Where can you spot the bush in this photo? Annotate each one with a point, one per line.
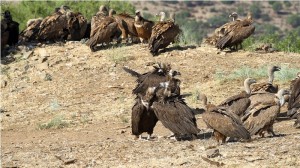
(228, 2)
(265, 17)
(217, 21)
(255, 10)
(277, 6)
(294, 20)
(287, 4)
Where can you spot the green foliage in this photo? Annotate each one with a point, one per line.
(255, 10)
(286, 74)
(265, 17)
(277, 6)
(25, 10)
(288, 43)
(57, 122)
(217, 21)
(287, 4)
(294, 20)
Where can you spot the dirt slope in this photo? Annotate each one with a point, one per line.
(90, 94)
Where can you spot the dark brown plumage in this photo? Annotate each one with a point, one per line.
(55, 26)
(239, 103)
(143, 27)
(267, 86)
(98, 17)
(143, 119)
(103, 32)
(126, 25)
(261, 116)
(222, 30)
(236, 33)
(223, 122)
(163, 33)
(11, 27)
(172, 111)
(4, 34)
(30, 32)
(294, 102)
(77, 26)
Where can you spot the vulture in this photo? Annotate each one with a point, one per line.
(10, 26)
(261, 116)
(103, 32)
(32, 28)
(4, 34)
(163, 33)
(100, 15)
(234, 35)
(55, 26)
(172, 111)
(126, 25)
(143, 27)
(239, 103)
(87, 33)
(161, 73)
(294, 102)
(267, 86)
(77, 26)
(143, 119)
(224, 122)
(220, 31)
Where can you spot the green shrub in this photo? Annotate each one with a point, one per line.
(294, 20)
(277, 6)
(287, 4)
(57, 122)
(217, 21)
(255, 10)
(228, 2)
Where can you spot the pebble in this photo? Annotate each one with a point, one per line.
(42, 66)
(212, 153)
(3, 83)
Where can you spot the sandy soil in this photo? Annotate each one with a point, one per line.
(90, 95)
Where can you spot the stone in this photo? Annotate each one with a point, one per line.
(27, 54)
(3, 83)
(212, 153)
(42, 52)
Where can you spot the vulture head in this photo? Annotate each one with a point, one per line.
(7, 15)
(147, 99)
(138, 13)
(271, 71)
(234, 16)
(172, 16)
(162, 68)
(162, 16)
(280, 95)
(103, 8)
(249, 16)
(112, 12)
(247, 84)
(173, 73)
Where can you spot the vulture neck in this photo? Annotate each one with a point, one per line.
(281, 98)
(247, 87)
(162, 17)
(271, 76)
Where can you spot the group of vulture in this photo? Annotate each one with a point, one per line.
(251, 112)
(107, 26)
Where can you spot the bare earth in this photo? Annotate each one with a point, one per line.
(91, 95)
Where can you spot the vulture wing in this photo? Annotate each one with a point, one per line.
(31, 31)
(294, 101)
(264, 86)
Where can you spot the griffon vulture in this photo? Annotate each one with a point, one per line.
(267, 86)
(261, 116)
(294, 102)
(126, 25)
(224, 122)
(30, 33)
(236, 33)
(77, 26)
(143, 27)
(163, 33)
(238, 104)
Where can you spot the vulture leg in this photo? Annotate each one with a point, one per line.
(219, 137)
(270, 131)
(149, 137)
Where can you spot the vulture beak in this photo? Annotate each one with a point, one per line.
(137, 12)
(177, 73)
(278, 68)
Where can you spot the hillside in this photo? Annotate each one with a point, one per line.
(64, 106)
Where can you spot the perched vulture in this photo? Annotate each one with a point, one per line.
(55, 26)
(261, 116)
(224, 122)
(87, 33)
(100, 15)
(239, 103)
(143, 27)
(267, 86)
(103, 32)
(4, 34)
(77, 26)
(220, 31)
(126, 25)
(161, 73)
(294, 102)
(11, 27)
(143, 119)
(172, 111)
(30, 33)
(236, 33)
(163, 33)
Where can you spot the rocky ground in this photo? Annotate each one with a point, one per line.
(64, 106)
